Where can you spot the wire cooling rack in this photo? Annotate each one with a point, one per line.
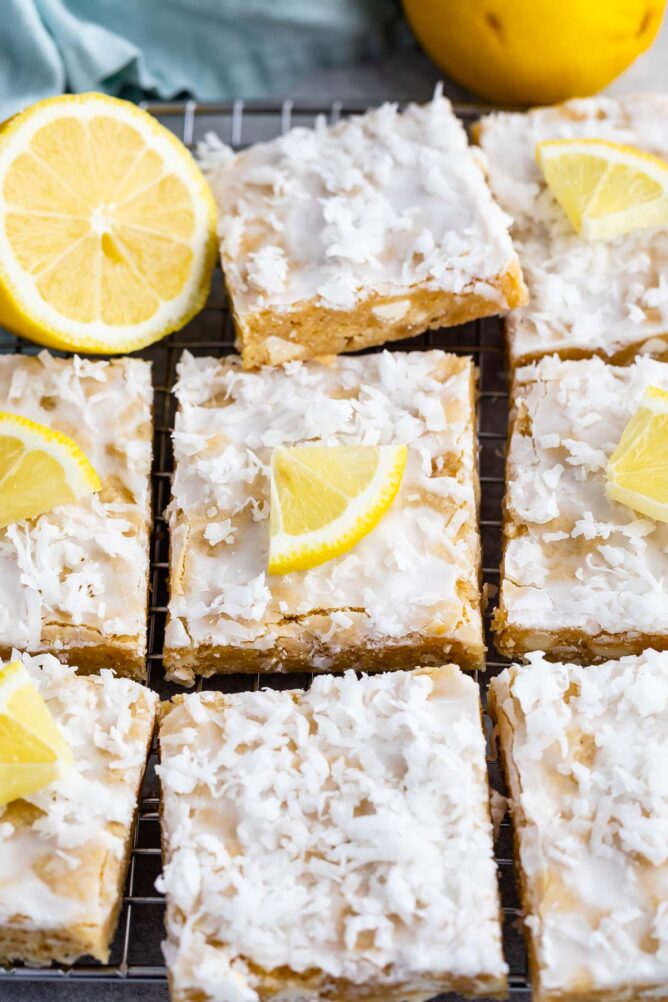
(136, 955)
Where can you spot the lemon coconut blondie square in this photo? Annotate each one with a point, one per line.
(74, 581)
(373, 229)
(357, 813)
(585, 753)
(604, 297)
(407, 593)
(583, 575)
(65, 849)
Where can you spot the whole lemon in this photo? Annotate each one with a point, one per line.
(534, 51)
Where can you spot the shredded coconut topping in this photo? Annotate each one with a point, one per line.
(603, 296)
(357, 815)
(55, 844)
(415, 574)
(587, 753)
(380, 202)
(78, 574)
(574, 559)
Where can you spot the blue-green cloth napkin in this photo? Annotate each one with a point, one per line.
(162, 49)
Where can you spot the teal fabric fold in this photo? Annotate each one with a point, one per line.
(165, 49)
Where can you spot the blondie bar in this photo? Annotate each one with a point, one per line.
(582, 576)
(585, 753)
(608, 298)
(373, 229)
(74, 581)
(407, 593)
(357, 814)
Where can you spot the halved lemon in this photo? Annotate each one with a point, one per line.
(107, 226)
(324, 500)
(638, 468)
(39, 469)
(33, 752)
(604, 188)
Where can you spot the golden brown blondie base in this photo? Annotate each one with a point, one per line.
(307, 330)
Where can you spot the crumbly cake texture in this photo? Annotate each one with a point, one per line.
(357, 813)
(585, 752)
(407, 593)
(341, 237)
(74, 582)
(583, 577)
(608, 298)
(64, 851)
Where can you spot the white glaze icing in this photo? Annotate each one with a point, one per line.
(378, 203)
(83, 564)
(405, 576)
(355, 813)
(579, 561)
(589, 754)
(604, 296)
(107, 723)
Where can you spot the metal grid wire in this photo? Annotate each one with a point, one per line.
(136, 955)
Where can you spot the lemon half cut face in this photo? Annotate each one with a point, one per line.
(108, 226)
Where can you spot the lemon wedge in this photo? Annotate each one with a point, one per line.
(604, 188)
(39, 469)
(33, 752)
(638, 468)
(324, 500)
(107, 226)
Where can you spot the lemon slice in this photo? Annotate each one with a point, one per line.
(638, 468)
(605, 189)
(107, 226)
(39, 469)
(324, 500)
(33, 752)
